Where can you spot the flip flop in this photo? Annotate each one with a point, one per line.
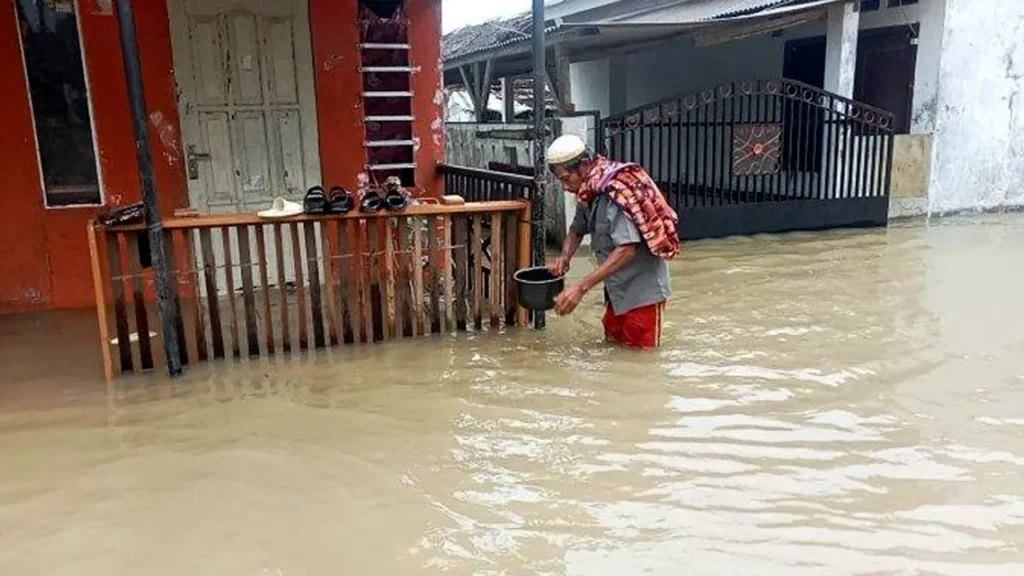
(315, 201)
(372, 202)
(340, 201)
(395, 201)
(281, 208)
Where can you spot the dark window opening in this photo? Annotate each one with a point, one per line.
(60, 101)
(387, 91)
(869, 5)
(886, 62)
(895, 3)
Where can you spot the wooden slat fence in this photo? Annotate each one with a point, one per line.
(248, 287)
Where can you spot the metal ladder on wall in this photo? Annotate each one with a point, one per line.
(382, 151)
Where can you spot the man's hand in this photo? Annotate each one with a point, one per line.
(559, 267)
(569, 299)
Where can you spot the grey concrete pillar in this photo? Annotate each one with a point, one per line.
(841, 48)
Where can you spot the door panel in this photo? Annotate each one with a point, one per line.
(283, 88)
(253, 156)
(245, 61)
(288, 139)
(219, 172)
(208, 57)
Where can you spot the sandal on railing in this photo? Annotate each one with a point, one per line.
(395, 201)
(372, 202)
(340, 201)
(315, 201)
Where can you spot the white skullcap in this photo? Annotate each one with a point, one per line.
(565, 149)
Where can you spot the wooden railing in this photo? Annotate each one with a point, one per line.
(477, 185)
(244, 286)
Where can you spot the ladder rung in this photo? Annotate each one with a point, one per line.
(389, 118)
(378, 167)
(383, 46)
(387, 143)
(386, 69)
(387, 94)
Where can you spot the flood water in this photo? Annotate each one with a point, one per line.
(842, 403)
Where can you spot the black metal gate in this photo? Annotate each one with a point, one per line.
(761, 156)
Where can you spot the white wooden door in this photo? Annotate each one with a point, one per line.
(246, 96)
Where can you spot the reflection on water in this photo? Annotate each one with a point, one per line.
(845, 403)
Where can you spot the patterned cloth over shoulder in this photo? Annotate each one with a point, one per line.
(636, 193)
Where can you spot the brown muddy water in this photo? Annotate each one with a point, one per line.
(844, 403)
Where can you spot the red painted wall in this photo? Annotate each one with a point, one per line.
(339, 101)
(48, 263)
(24, 278)
(51, 266)
(427, 88)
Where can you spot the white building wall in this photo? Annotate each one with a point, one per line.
(677, 67)
(978, 157)
(590, 86)
(968, 96)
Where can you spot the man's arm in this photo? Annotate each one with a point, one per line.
(627, 239)
(572, 243)
(573, 239)
(616, 261)
(567, 301)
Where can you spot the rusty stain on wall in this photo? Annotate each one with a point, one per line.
(911, 165)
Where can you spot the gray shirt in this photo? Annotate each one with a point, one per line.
(644, 280)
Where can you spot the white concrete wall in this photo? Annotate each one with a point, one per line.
(978, 158)
(590, 86)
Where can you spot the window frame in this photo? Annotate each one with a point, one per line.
(76, 4)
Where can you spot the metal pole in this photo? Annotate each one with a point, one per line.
(540, 174)
(137, 100)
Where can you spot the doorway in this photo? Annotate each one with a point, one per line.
(244, 70)
(886, 62)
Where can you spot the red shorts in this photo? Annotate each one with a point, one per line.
(638, 328)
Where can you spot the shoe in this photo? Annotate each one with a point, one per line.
(395, 201)
(372, 202)
(281, 208)
(340, 201)
(315, 201)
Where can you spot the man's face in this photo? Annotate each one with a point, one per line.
(571, 178)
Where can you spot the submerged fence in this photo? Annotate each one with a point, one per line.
(245, 286)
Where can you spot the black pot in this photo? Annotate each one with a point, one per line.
(536, 288)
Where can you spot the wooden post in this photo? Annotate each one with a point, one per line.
(99, 284)
(523, 256)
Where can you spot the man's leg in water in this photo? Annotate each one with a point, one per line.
(638, 328)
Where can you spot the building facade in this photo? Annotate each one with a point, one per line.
(950, 71)
(247, 100)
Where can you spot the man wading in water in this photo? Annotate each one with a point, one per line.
(633, 235)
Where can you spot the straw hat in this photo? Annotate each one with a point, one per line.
(281, 208)
(565, 149)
